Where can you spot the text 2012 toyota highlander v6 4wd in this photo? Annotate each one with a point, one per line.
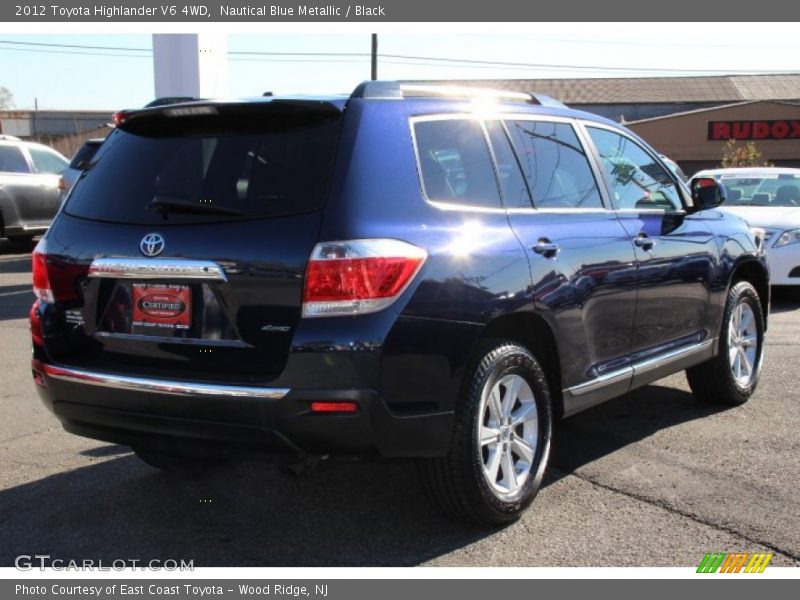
(410, 271)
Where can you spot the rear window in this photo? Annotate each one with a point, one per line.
(84, 154)
(210, 170)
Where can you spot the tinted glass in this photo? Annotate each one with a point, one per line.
(12, 161)
(455, 163)
(243, 174)
(555, 165)
(778, 190)
(47, 162)
(637, 180)
(84, 155)
(515, 190)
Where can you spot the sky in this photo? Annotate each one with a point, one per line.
(111, 71)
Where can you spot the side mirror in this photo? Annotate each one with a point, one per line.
(707, 193)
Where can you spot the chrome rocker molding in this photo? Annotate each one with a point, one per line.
(615, 383)
(156, 268)
(175, 388)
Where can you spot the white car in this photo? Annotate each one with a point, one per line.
(769, 198)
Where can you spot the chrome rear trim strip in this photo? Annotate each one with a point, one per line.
(161, 386)
(156, 268)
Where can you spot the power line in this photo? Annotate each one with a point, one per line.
(417, 60)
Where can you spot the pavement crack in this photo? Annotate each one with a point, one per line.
(688, 515)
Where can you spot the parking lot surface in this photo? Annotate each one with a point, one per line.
(651, 479)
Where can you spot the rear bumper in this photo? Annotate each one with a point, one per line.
(184, 416)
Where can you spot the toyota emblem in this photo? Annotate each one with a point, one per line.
(152, 244)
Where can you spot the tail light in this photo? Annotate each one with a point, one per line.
(36, 324)
(62, 184)
(358, 276)
(55, 279)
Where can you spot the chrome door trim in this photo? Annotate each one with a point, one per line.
(641, 367)
(160, 386)
(156, 268)
(657, 362)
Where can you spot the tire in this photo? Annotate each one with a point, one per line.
(716, 380)
(461, 484)
(177, 463)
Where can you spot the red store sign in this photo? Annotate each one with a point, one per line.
(784, 129)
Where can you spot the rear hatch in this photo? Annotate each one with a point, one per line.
(189, 232)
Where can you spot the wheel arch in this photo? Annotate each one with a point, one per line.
(754, 273)
(533, 331)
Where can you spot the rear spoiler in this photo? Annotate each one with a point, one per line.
(205, 114)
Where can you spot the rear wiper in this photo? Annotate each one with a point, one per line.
(167, 204)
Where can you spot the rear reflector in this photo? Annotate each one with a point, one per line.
(358, 276)
(334, 407)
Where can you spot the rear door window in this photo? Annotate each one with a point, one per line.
(455, 164)
(555, 165)
(45, 161)
(515, 189)
(12, 160)
(212, 172)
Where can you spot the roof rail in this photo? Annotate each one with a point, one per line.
(397, 90)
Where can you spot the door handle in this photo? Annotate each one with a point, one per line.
(546, 248)
(644, 241)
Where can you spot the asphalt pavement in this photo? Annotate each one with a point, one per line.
(651, 479)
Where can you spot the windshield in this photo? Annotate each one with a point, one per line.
(773, 190)
(202, 173)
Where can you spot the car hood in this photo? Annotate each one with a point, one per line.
(773, 217)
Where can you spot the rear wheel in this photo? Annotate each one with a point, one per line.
(178, 462)
(731, 377)
(501, 439)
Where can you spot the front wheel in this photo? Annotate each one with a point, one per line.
(731, 377)
(501, 439)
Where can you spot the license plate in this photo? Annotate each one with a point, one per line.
(160, 309)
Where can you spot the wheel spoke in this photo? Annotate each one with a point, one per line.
(511, 395)
(489, 435)
(523, 413)
(524, 449)
(495, 410)
(509, 472)
(749, 341)
(746, 362)
(746, 320)
(493, 463)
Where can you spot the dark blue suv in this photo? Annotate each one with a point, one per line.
(410, 271)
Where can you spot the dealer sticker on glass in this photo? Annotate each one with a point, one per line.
(159, 308)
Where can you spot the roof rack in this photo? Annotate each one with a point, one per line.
(397, 90)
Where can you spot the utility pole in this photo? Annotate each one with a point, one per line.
(374, 70)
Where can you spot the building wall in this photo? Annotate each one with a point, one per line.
(29, 124)
(684, 137)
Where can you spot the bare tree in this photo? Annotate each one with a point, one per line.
(6, 98)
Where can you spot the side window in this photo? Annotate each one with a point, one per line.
(555, 165)
(512, 183)
(47, 162)
(12, 160)
(637, 180)
(455, 164)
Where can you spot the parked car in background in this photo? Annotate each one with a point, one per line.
(29, 192)
(409, 272)
(769, 198)
(76, 166)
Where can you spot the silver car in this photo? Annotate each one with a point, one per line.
(29, 194)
